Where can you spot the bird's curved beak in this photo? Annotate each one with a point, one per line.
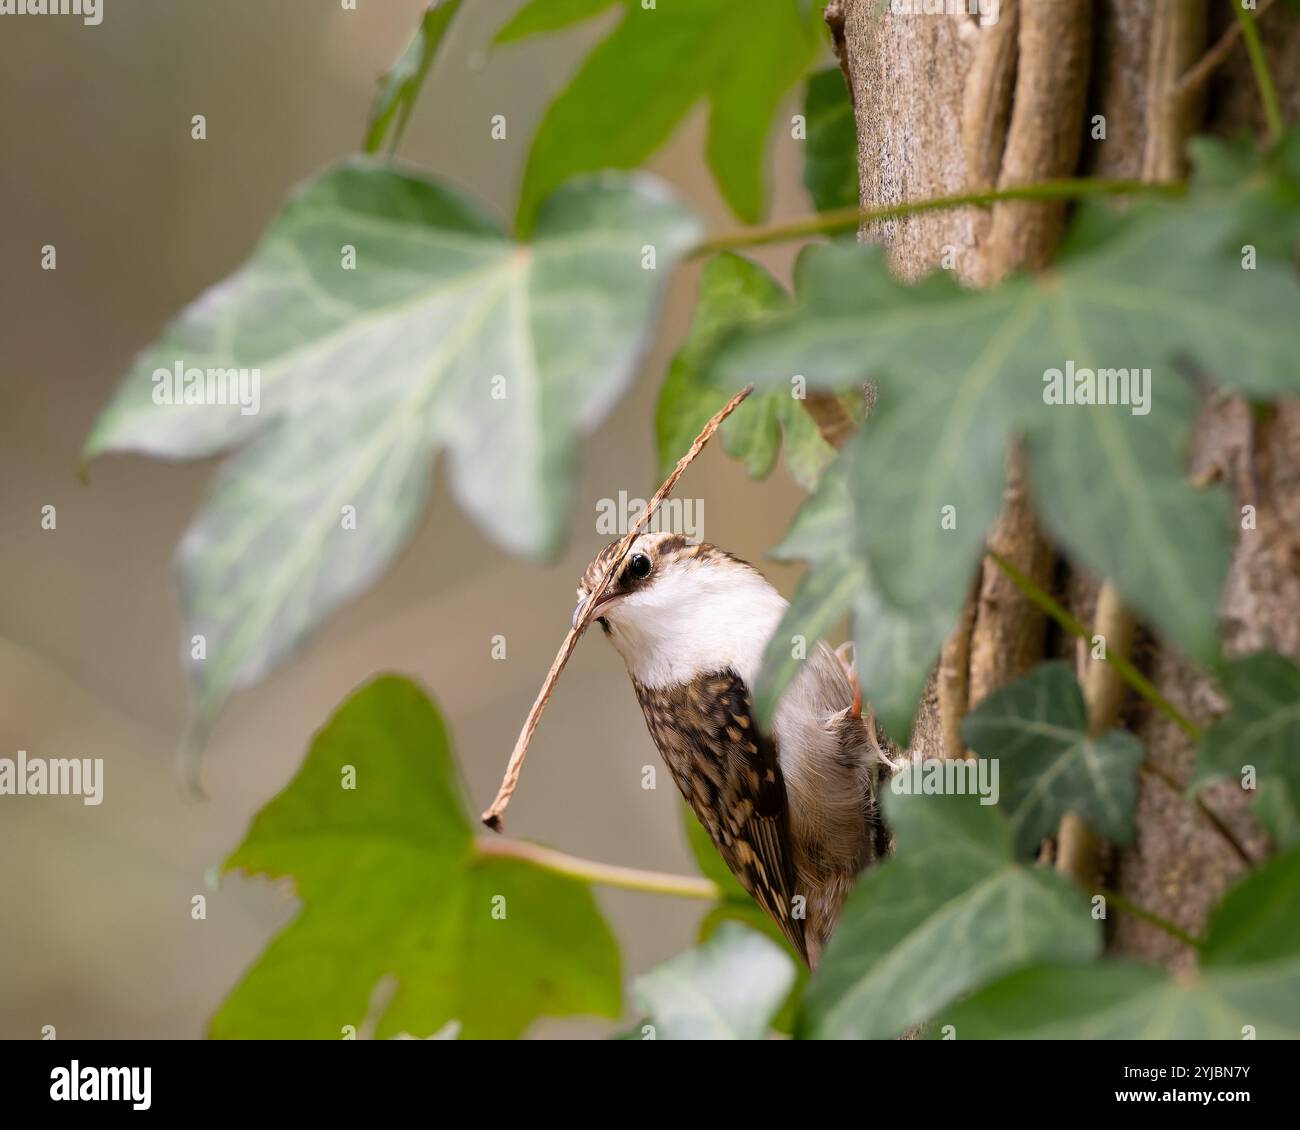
(605, 602)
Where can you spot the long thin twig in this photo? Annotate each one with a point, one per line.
(605, 874)
(492, 817)
(1207, 64)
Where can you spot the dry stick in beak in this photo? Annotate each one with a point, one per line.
(493, 816)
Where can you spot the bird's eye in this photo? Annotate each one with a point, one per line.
(639, 566)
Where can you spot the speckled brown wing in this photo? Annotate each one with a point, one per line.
(727, 770)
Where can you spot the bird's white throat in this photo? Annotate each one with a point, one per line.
(698, 617)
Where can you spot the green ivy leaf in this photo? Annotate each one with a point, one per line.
(1248, 981)
(1261, 729)
(1111, 489)
(447, 335)
(733, 290)
(741, 56)
(1277, 808)
(894, 646)
(960, 370)
(1037, 729)
(540, 16)
(729, 988)
(400, 86)
(830, 170)
(951, 911)
(1263, 189)
(392, 885)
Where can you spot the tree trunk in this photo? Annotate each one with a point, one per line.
(943, 106)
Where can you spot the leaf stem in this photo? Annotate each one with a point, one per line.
(1135, 679)
(606, 874)
(1126, 671)
(1259, 64)
(1132, 908)
(847, 219)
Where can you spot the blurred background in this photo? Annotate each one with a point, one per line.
(96, 936)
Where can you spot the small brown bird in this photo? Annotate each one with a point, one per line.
(792, 810)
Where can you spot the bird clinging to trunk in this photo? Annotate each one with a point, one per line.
(791, 808)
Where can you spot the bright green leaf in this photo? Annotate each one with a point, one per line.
(733, 290)
(1037, 729)
(740, 56)
(540, 16)
(1248, 982)
(393, 887)
(950, 912)
(830, 169)
(728, 988)
(400, 86)
(447, 335)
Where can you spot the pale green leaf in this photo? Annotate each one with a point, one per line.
(728, 988)
(447, 336)
(1263, 187)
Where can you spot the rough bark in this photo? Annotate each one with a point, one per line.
(935, 109)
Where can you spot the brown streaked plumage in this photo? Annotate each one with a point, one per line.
(727, 770)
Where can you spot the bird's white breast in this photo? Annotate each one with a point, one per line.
(696, 620)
